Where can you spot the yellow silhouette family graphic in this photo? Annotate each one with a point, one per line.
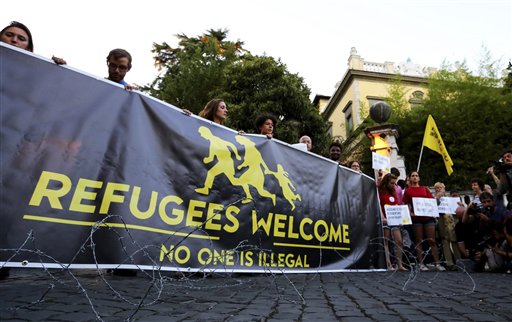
(253, 176)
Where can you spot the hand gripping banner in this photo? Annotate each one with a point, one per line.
(95, 176)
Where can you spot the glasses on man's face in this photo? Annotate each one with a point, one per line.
(112, 66)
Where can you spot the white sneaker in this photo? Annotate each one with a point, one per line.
(423, 268)
(440, 268)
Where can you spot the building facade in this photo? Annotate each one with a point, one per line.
(365, 84)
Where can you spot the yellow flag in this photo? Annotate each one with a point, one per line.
(432, 140)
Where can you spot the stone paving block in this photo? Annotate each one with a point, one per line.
(318, 317)
(356, 319)
(464, 309)
(75, 317)
(244, 318)
(291, 316)
(28, 315)
(384, 317)
(159, 318)
(416, 316)
(377, 312)
(483, 317)
(317, 308)
(256, 312)
(370, 304)
(349, 313)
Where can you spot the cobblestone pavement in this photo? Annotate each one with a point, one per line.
(88, 295)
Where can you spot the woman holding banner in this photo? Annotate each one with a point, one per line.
(387, 196)
(215, 110)
(422, 225)
(266, 125)
(18, 35)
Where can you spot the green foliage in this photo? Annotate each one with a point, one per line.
(209, 66)
(259, 85)
(472, 115)
(396, 100)
(194, 71)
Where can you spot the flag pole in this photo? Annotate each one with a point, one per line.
(419, 161)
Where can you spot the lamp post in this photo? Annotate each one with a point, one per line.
(383, 136)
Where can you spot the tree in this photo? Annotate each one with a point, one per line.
(209, 66)
(473, 116)
(194, 72)
(260, 84)
(396, 100)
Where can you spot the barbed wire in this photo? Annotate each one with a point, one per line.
(159, 283)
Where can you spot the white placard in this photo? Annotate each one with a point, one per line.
(301, 146)
(397, 215)
(380, 162)
(425, 207)
(448, 205)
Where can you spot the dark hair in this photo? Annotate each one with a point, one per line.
(410, 173)
(120, 53)
(262, 118)
(395, 171)
(349, 165)
(211, 107)
(335, 143)
(384, 184)
(21, 26)
(480, 183)
(401, 183)
(486, 195)
(506, 151)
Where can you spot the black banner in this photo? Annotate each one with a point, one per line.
(94, 176)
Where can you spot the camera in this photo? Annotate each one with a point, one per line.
(500, 166)
(487, 240)
(476, 208)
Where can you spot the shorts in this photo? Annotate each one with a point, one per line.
(430, 221)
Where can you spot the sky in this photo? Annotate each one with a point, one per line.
(312, 37)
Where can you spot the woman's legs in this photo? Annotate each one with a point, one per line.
(418, 238)
(386, 248)
(397, 237)
(430, 230)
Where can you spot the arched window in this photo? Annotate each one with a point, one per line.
(416, 98)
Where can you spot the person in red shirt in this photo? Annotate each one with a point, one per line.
(422, 225)
(387, 196)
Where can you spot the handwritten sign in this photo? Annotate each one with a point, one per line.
(380, 162)
(397, 215)
(448, 205)
(425, 207)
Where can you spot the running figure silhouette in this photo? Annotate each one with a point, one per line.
(219, 149)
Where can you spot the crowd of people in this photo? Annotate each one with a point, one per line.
(480, 229)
